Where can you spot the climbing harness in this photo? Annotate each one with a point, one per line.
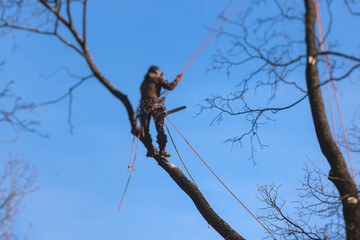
(151, 106)
(155, 107)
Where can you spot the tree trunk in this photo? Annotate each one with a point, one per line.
(339, 173)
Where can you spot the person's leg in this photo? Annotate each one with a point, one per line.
(161, 137)
(145, 126)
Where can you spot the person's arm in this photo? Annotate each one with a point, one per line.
(170, 86)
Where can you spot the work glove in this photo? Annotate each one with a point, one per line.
(179, 77)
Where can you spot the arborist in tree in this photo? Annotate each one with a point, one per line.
(152, 105)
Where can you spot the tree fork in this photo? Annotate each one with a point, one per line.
(339, 173)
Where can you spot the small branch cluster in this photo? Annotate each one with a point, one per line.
(316, 201)
(354, 133)
(14, 109)
(68, 94)
(46, 18)
(12, 112)
(17, 180)
(30, 16)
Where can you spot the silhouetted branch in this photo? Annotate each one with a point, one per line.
(69, 94)
(353, 133)
(350, 6)
(12, 112)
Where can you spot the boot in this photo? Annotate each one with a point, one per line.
(163, 153)
(152, 152)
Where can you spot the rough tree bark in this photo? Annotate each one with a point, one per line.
(199, 200)
(339, 173)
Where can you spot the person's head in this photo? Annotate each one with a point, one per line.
(156, 70)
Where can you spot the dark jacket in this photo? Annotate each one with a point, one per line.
(152, 84)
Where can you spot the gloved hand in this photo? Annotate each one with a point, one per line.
(179, 77)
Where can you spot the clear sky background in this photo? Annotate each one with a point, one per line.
(82, 176)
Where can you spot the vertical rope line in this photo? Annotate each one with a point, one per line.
(131, 172)
(180, 156)
(335, 91)
(318, 18)
(222, 181)
(132, 149)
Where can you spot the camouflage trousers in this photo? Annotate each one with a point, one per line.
(150, 107)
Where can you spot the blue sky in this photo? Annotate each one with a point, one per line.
(82, 176)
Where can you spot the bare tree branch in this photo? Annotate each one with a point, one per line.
(316, 201)
(84, 20)
(350, 7)
(12, 112)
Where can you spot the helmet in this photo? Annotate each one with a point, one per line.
(156, 70)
